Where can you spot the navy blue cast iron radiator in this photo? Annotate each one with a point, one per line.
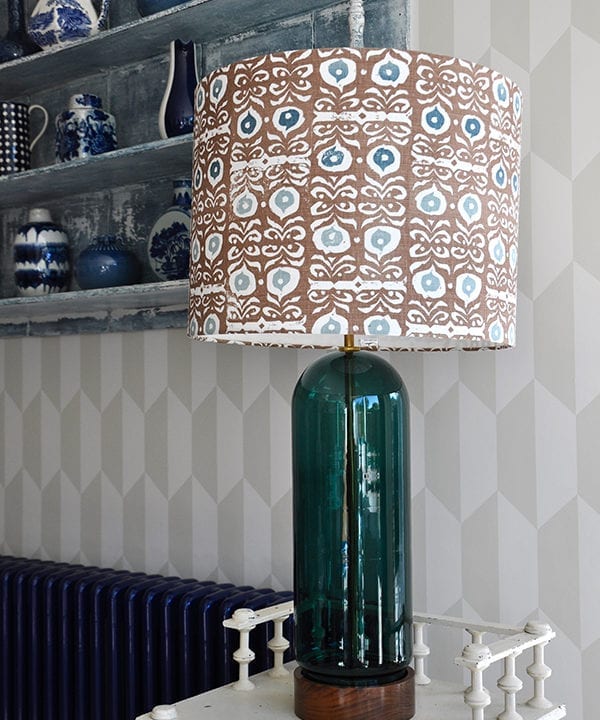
(86, 643)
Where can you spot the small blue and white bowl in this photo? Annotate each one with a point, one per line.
(84, 129)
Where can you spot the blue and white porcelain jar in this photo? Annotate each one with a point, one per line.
(169, 240)
(41, 254)
(84, 129)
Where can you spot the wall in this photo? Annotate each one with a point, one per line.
(512, 469)
(147, 451)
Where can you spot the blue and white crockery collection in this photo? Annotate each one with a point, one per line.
(169, 239)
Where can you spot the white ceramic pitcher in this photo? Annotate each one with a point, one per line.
(58, 22)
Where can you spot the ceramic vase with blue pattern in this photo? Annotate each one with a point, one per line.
(176, 114)
(59, 22)
(106, 263)
(84, 129)
(41, 255)
(169, 240)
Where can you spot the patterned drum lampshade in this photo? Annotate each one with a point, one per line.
(360, 199)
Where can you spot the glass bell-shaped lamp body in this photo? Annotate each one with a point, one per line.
(352, 577)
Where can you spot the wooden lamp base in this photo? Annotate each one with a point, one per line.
(320, 701)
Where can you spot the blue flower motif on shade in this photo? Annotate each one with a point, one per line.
(501, 92)
(213, 245)
(288, 119)
(384, 160)
(389, 72)
(215, 171)
(382, 240)
(195, 250)
(435, 120)
(339, 73)
(517, 104)
(429, 283)
(245, 205)
(468, 287)
(512, 257)
(249, 124)
(496, 333)
(217, 88)
(499, 175)
(469, 207)
(285, 202)
(211, 325)
(431, 201)
(331, 324)
(242, 282)
(200, 97)
(282, 281)
(331, 239)
(335, 159)
(515, 183)
(472, 127)
(497, 251)
(198, 179)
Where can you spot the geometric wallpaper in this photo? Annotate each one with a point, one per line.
(148, 451)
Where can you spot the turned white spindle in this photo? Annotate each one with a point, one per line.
(477, 658)
(510, 684)
(476, 636)
(538, 670)
(243, 655)
(278, 644)
(357, 23)
(420, 652)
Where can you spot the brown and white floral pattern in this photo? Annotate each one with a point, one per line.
(371, 192)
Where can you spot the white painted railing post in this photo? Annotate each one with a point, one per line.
(510, 684)
(278, 644)
(538, 670)
(420, 652)
(243, 655)
(476, 658)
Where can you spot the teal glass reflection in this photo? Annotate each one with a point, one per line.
(352, 581)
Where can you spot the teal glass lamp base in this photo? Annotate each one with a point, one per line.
(352, 579)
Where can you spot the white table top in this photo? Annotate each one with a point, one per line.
(272, 699)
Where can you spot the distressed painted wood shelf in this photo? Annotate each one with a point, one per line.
(136, 41)
(121, 167)
(131, 307)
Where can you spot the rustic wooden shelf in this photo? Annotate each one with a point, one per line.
(131, 307)
(126, 166)
(133, 42)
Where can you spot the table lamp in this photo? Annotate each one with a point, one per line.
(358, 199)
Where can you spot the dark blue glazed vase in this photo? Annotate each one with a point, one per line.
(106, 263)
(149, 7)
(176, 115)
(84, 129)
(41, 255)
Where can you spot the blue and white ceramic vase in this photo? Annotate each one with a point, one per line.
(176, 114)
(84, 129)
(106, 263)
(41, 254)
(169, 240)
(59, 22)
(149, 7)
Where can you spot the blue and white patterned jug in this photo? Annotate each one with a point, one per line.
(58, 22)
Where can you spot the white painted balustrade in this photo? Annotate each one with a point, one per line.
(476, 657)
